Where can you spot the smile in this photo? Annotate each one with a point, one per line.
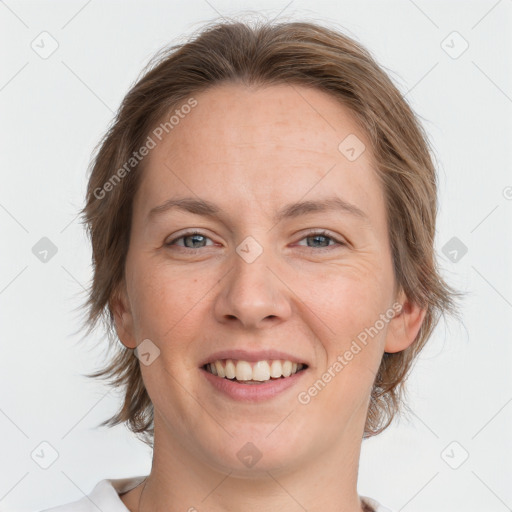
(253, 372)
(255, 381)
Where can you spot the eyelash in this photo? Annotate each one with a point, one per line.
(322, 233)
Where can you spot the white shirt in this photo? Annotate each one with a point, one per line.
(105, 497)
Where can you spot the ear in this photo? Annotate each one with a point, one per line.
(123, 317)
(404, 326)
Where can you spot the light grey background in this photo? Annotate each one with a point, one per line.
(55, 109)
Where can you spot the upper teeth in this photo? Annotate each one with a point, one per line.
(260, 370)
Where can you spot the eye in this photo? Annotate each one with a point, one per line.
(321, 239)
(192, 240)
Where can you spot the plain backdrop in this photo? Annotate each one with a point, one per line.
(452, 61)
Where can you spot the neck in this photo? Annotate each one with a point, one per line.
(179, 480)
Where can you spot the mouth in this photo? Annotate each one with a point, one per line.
(254, 372)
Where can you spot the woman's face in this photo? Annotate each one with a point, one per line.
(261, 276)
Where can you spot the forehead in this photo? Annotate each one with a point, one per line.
(241, 119)
(261, 147)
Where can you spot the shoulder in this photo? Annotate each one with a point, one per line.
(374, 505)
(104, 496)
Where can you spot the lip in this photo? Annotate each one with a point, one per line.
(252, 356)
(252, 392)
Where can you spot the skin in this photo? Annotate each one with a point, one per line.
(251, 151)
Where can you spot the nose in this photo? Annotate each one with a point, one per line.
(253, 295)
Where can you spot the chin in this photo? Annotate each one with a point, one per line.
(253, 452)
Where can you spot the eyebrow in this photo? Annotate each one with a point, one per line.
(292, 210)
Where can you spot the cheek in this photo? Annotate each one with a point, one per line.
(349, 296)
(354, 350)
(155, 286)
(351, 312)
(169, 304)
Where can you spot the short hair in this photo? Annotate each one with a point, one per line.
(260, 54)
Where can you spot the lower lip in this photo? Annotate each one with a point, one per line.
(252, 392)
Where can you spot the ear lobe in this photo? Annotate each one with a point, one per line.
(404, 326)
(123, 318)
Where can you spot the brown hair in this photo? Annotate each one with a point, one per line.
(297, 53)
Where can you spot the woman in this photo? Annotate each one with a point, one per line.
(262, 216)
